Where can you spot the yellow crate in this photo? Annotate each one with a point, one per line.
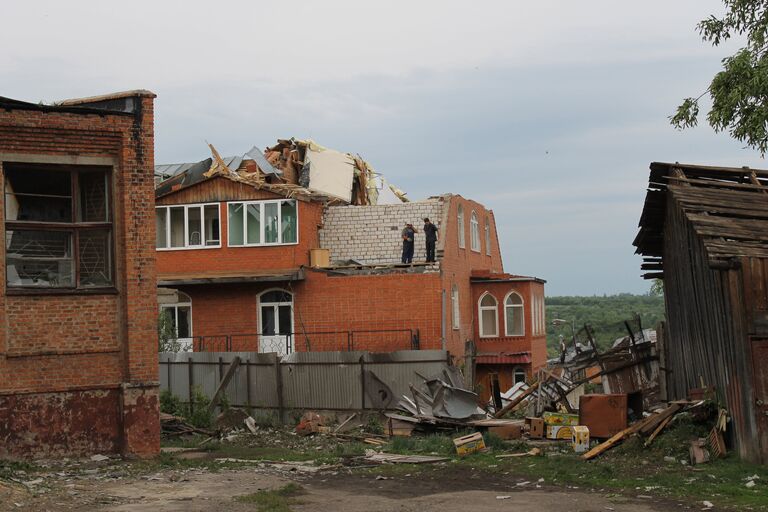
(469, 444)
(557, 418)
(580, 439)
(559, 432)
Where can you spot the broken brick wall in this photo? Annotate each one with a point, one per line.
(372, 234)
(70, 359)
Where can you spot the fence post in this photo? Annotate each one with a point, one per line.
(279, 388)
(169, 366)
(221, 368)
(362, 383)
(191, 383)
(248, 382)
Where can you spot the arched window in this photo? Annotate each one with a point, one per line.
(487, 237)
(488, 315)
(513, 315)
(455, 306)
(474, 232)
(460, 226)
(518, 375)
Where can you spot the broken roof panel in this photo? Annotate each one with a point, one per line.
(328, 171)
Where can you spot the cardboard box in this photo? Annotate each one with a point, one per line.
(580, 439)
(556, 418)
(560, 432)
(507, 431)
(319, 258)
(469, 444)
(605, 415)
(535, 427)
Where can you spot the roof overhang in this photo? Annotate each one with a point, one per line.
(503, 358)
(203, 278)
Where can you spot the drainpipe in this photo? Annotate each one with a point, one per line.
(443, 342)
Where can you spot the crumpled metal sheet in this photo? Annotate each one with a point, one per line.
(454, 403)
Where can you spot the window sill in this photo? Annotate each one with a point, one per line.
(60, 291)
(195, 248)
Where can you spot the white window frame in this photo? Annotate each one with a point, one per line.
(481, 308)
(175, 306)
(487, 237)
(455, 308)
(187, 207)
(521, 307)
(474, 232)
(460, 227)
(516, 371)
(262, 205)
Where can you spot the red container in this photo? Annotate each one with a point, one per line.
(605, 415)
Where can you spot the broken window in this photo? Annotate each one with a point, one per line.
(58, 229)
(489, 319)
(263, 223)
(455, 305)
(518, 375)
(192, 226)
(460, 226)
(513, 315)
(487, 237)
(474, 232)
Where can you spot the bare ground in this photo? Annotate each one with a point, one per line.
(443, 488)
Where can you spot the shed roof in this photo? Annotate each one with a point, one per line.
(727, 207)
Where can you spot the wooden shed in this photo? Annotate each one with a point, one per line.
(704, 230)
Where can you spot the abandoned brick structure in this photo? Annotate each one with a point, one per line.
(78, 343)
(251, 260)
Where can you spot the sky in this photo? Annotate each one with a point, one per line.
(549, 114)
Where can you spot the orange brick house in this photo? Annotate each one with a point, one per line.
(235, 250)
(78, 343)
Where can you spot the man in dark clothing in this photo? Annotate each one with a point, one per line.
(409, 234)
(430, 231)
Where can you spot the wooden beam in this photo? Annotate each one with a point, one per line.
(514, 403)
(223, 384)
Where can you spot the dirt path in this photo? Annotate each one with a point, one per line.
(443, 490)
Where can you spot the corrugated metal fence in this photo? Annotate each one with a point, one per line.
(302, 380)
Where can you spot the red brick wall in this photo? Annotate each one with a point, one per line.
(96, 343)
(238, 258)
(458, 263)
(325, 306)
(536, 344)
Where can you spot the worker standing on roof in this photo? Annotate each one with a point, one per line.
(430, 231)
(409, 233)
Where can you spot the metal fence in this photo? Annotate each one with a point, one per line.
(302, 380)
(311, 341)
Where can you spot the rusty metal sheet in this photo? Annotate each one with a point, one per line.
(605, 415)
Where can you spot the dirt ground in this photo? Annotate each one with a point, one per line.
(441, 489)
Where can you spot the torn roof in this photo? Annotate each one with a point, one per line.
(291, 167)
(727, 208)
(118, 103)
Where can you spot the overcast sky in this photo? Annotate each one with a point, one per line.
(547, 113)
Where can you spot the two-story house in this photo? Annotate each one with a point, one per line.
(236, 239)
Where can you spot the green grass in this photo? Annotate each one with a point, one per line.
(278, 500)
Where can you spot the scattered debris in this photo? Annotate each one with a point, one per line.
(698, 451)
(393, 458)
(471, 443)
(532, 453)
(176, 426)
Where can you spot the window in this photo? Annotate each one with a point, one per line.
(487, 237)
(539, 323)
(58, 227)
(474, 232)
(455, 306)
(263, 222)
(460, 226)
(179, 315)
(489, 318)
(513, 315)
(190, 226)
(518, 375)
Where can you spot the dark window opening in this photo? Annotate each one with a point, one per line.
(58, 228)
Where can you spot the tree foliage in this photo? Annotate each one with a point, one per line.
(606, 314)
(739, 92)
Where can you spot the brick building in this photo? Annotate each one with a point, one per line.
(235, 246)
(78, 343)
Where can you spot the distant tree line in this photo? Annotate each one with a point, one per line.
(606, 314)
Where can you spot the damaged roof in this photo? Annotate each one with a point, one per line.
(727, 208)
(118, 103)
